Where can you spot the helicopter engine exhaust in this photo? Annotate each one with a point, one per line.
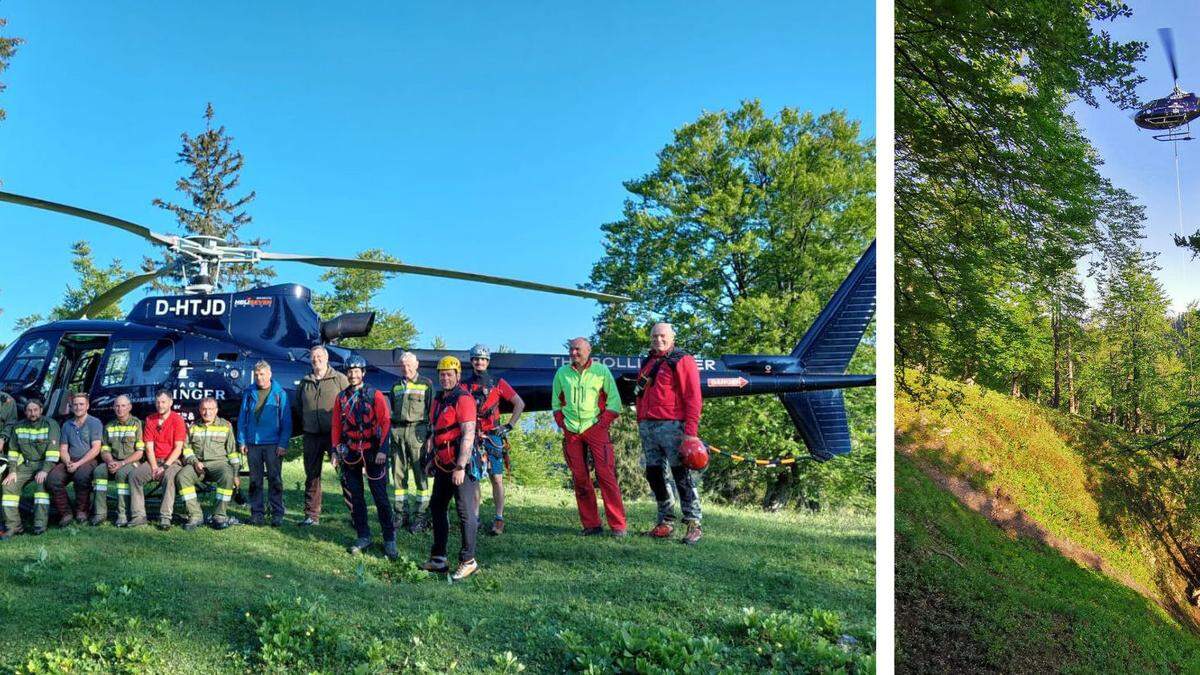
(351, 324)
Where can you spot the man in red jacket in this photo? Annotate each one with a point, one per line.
(668, 412)
(361, 423)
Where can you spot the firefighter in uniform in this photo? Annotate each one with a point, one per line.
(456, 469)
(31, 451)
(8, 415)
(361, 422)
(121, 450)
(412, 400)
(489, 433)
(210, 455)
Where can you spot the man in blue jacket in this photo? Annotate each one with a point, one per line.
(264, 428)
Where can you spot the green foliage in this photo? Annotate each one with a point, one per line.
(997, 191)
(8, 49)
(535, 452)
(210, 207)
(812, 642)
(300, 636)
(739, 237)
(90, 282)
(127, 653)
(354, 290)
(642, 649)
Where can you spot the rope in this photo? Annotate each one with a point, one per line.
(758, 461)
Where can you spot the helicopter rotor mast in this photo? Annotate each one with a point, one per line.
(202, 257)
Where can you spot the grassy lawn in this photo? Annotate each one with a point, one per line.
(971, 599)
(210, 601)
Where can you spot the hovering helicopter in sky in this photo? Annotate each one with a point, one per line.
(1172, 114)
(205, 343)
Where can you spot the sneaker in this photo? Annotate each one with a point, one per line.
(308, 521)
(693, 533)
(359, 545)
(389, 550)
(497, 527)
(661, 530)
(97, 521)
(435, 565)
(192, 524)
(592, 531)
(465, 569)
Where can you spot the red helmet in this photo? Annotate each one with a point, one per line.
(694, 454)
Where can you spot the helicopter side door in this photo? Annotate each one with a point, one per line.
(73, 368)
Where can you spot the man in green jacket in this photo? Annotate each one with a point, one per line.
(412, 400)
(120, 451)
(32, 451)
(316, 394)
(211, 456)
(585, 401)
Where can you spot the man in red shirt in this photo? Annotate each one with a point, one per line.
(362, 421)
(488, 391)
(668, 412)
(164, 434)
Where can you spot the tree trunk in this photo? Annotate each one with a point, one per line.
(1056, 335)
(1072, 399)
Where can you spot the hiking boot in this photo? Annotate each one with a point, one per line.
(96, 521)
(592, 531)
(308, 521)
(359, 545)
(620, 534)
(693, 533)
(136, 522)
(497, 527)
(465, 569)
(389, 550)
(661, 530)
(436, 565)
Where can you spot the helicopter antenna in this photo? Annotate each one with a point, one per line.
(1168, 39)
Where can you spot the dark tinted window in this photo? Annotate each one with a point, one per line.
(138, 362)
(29, 360)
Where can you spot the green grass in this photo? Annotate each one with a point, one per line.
(192, 592)
(972, 598)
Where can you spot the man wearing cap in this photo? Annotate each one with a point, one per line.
(455, 469)
(488, 392)
(82, 436)
(361, 424)
(164, 434)
(668, 411)
(120, 453)
(316, 393)
(586, 402)
(412, 400)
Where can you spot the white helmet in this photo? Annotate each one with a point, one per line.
(480, 351)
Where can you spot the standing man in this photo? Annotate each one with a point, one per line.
(263, 431)
(668, 412)
(164, 435)
(585, 401)
(211, 456)
(412, 400)
(32, 452)
(455, 472)
(121, 451)
(82, 436)
(488, 392)
(317, 392)
(361, 422)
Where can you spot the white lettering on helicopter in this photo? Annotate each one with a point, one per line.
(630, 362)
(189, 307)
(195, 391)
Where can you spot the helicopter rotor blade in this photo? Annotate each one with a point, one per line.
(119, 291)
(1168, 39)
(384, 266)
(134, 228)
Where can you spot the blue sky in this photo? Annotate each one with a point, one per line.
(494, 138)
(1145, 167)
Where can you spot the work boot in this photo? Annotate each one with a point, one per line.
(66, 519)
(136, 522)
(693, 533)
(359, 545)
(220, 523)
(661, 530)
(436, 565)
(419, 524)
(465, 569)
(38, 531)
(497, 527)
(192, 524)
(122, 521)
(164, 525)
(389, 549)
(97, 520)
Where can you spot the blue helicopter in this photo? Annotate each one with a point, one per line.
(1173, 113)
(204, 343)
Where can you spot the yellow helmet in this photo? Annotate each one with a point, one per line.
(450, 363)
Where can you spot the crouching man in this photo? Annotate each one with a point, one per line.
(210, 456)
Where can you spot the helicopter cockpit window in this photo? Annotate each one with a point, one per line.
(138, 362)
(29, 361)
